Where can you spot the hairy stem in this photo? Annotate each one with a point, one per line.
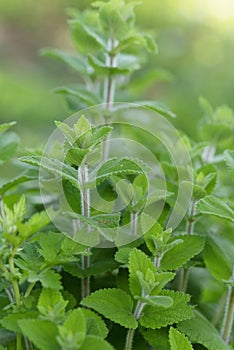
(109, 93)
(184, 273)
(134, 221)
(131, 332)
(228, 316)
(83, 178)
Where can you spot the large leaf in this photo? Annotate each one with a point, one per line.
(177, 256)
(157, 338)
(54, 166)
(178, 341)
(10, 321)
(41, 333)
(201, 331)
(156, 317)
(219, 249)
(215, 206)
(114, 304)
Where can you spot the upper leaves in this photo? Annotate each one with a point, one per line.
(215, 206)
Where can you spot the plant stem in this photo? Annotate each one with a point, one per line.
(109, 93)
(228, 315)
(184, 273)
(157, 261)
(130, 334)
(134, 221)
(29, 289)
(83, 178)
(16, 294)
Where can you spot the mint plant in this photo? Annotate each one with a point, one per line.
(102, 267)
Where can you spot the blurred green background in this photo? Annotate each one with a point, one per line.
(196, 47)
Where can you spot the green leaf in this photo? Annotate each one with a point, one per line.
(111, 20)
(70, 59)
(41, 333)
(95, 324)
(155, 106)
(5, 126)
(117, 166)
(14, 182)
(114, 304)
(82, 94)
(72, 332)
(93, 342)
(101, 68)
(218, 249)
(10, 321)
(179, 341)
(138, 261)
(52, 305)
(50, 279)
(8, 146)
(34, 224)
(156, 317)
(215, 206)
(229, 160)
(158, 338)
(85, 37)
(98, 221)
(201, 331)
(54, 166)
(178, 255)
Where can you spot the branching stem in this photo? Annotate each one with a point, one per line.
(109, 93)
(130, 334)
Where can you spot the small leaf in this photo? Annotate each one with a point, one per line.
(154, 317)
(178, 341)
(102, 68)
(201, 331)
(158, 338)
(41, 333)
(50, 279)
(114, 304)
(72, 332)
(215, 206)
(54, 166)
(98, 221)
(52, 305)
(153, 105)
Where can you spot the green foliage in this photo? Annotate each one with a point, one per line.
(201, 331)
(178, 341)
(156, 318)
(215, 206)
(114, 304)
(48, 272)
